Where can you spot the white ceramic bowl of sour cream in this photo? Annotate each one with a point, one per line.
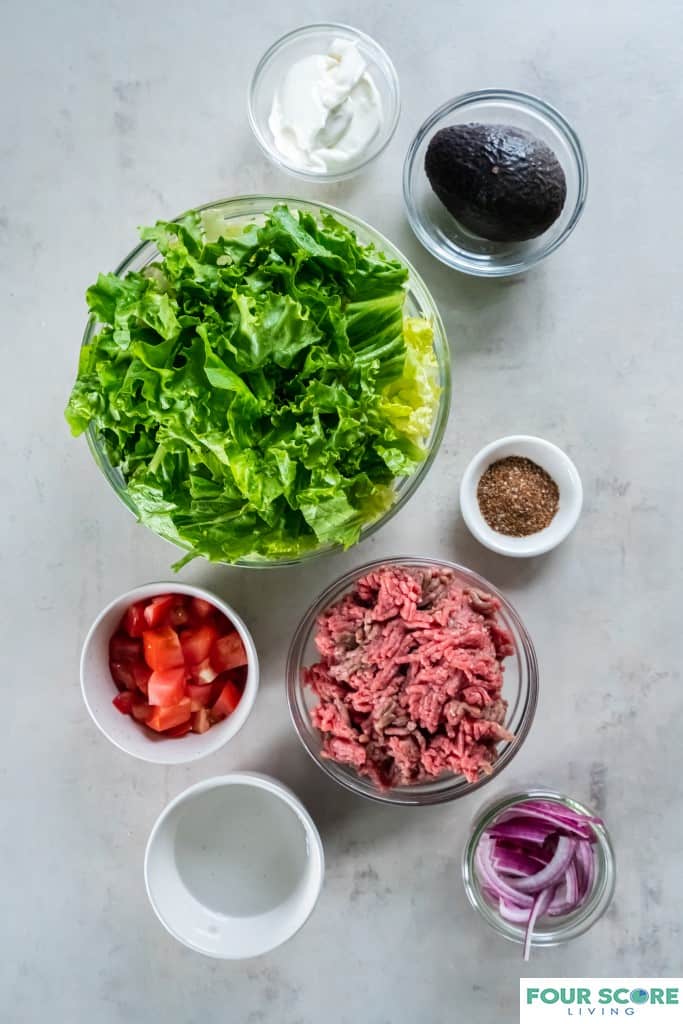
(270, 80)
(550, 458)
(234, 866)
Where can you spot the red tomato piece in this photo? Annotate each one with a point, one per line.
(179, 730)
(228, 700)
(228, 652)
(223, 624)
(157, 610)
(123, 702)
(166, 718)
(133, 622)
(200, 720)
(203, 673)
(122, 674)
(141, 674)
(178, 616)
(141, 710)
(162, 648)
(197, 644)
(166, 688)
(199, 694)
(201, 608)
(124, 648)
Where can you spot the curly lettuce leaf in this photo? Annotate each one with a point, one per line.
(260, 390)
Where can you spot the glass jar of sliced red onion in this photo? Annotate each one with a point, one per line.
(539, 867)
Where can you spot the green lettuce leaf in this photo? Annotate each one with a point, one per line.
(260, 389)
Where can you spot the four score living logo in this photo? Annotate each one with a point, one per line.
(645, 1000)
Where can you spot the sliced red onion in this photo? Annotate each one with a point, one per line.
(515, 863)
(537, 859)
(553, 872)
(493, 880)
(513, 914)
(540, 906)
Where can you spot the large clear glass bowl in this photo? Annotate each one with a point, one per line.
(244, 210)
(520, 689)
(549, 931)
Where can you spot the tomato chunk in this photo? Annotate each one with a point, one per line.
(123, 702)
(124, 648)
(228, 652)
(141, 674)
(166, 688)
(141, 710)
(133, 622)
(199, 694)
(122, 674)
(162, 648)
(197, 644)
(179, 730)
(178, 615)
(167, 718)
(157, 610)
(201, 608)
(228, 700)
(200, 720)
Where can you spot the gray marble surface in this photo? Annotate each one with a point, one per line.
(116, 113)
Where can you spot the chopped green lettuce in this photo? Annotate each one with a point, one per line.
(259, 390)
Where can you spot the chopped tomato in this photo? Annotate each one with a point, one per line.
(122, 674)
(228, 700)
(179, 730)
(123, 702)
(239, 675)
(166, 718)
(141, 710)
(124, 648)
(166, 688)
(141, 674)
(178, 616)
(203, 673)
(199, 694)
(197, 644)
(157, 610)
(228, 652)
(202, 608)
(162, 648)
(200, 720)
(223, 624)
(134, 620)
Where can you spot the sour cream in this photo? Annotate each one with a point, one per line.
(327, 110)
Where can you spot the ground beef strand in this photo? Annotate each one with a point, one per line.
(410, 676)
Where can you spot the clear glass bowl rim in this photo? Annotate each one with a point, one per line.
(391, 77)
(430, 793)
(427, 307)
(538, 106)
(574, 924)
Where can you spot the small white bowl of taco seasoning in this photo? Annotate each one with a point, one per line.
(521, 496)
(234, 866)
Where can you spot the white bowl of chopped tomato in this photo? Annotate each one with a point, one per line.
(169, 672)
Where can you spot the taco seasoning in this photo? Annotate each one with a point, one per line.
(517, 497)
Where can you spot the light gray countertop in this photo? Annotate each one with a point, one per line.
(114, 114)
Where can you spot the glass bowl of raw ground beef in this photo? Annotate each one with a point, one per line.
(412, 681)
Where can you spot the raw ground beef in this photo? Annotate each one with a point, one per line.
(410, 676)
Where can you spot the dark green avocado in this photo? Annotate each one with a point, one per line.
(499, 182)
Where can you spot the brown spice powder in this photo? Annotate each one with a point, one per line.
(517, 497)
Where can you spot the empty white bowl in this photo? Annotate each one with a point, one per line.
(550, 458)
(234, 866)
(99, 688)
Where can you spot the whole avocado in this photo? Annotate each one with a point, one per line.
(500, 182)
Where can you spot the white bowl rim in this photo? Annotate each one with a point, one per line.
(310, 29)
(271, 785)
(533, 544)
(226, 729)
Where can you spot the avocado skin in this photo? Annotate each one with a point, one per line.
(501, 183)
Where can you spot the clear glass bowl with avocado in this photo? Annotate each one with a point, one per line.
(494, 181)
